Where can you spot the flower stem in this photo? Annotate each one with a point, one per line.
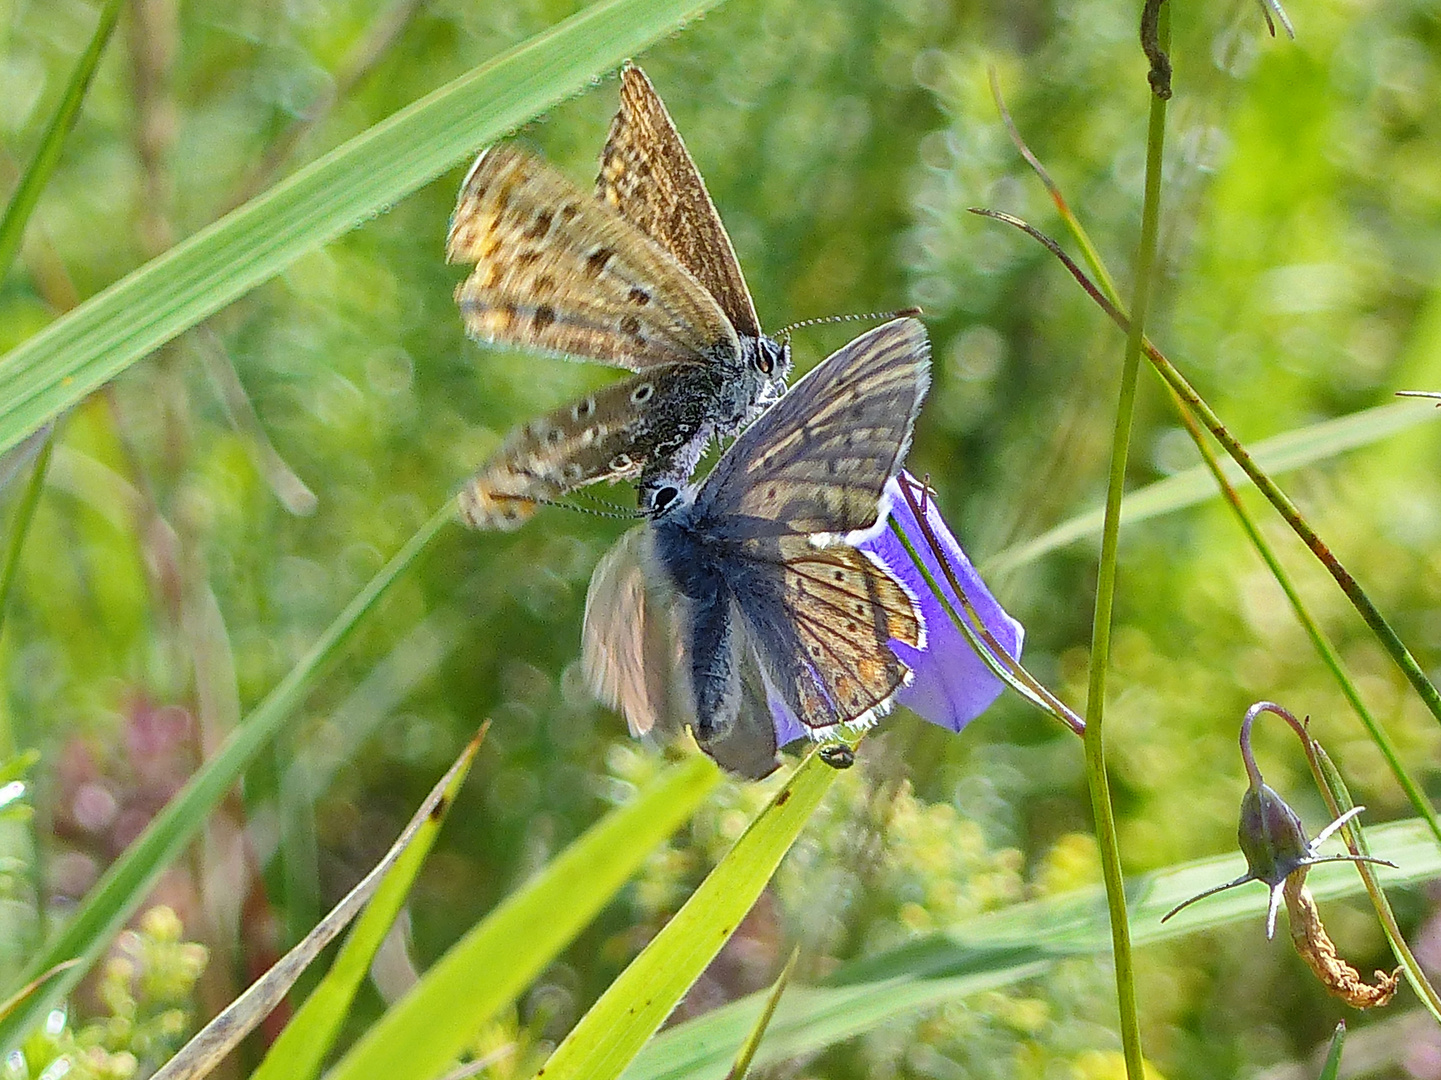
(1096, 779)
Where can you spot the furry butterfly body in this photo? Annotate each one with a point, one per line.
(747, 589)
(640, 276)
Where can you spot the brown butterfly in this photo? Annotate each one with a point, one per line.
(641, 276)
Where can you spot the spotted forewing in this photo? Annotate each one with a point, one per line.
(558, 270)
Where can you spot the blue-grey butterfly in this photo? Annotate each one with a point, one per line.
(641, 276)
(747, 589)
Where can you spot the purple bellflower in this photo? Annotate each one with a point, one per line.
(950, 685)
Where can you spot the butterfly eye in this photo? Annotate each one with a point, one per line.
(764, 362)
(663, 498)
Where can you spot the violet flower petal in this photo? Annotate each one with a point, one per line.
(952, 685)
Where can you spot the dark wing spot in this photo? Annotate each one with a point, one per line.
(568, 212)
(544, 285)
(540, 226)
(638, 296)
(851, 627)
(642, 393)
(840, 575)
(598, 260)
(771, 493)
(630, 326)
(525, 258)
(582, 409)
(544, 316)
(555, 436)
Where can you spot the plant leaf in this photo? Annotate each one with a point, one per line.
(297, 1058)
(758, 1032)
(637, 1003)
(47, 155)
(1332, 1065)
(488, 968)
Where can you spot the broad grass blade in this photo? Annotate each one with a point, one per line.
(90, 345)
(610, 1035)
(487, 969)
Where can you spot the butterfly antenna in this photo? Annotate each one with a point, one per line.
(617, 512)
(784, 333)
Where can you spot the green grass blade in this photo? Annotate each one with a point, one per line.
(20, 526)
(1292, 450)
(1331, 1067)
(485, 971)
(998, 950)
(116, 896)
(747, 1054)
(92, 344)
(13, 1002)
(386, 885)
(47, 156)
(610, 1035)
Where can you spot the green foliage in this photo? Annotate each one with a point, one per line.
(146, 991)
(171, 579)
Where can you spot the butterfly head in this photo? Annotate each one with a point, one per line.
(755, 383)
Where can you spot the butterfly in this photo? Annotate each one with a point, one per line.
(746, 593)
(641, 276)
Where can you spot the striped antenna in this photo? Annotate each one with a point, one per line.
(784, 333)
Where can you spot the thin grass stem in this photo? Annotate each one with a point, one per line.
(1096, 778)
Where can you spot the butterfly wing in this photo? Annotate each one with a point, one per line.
(845, 608)
(747, 746)
(636, 659)
(818, 460)
(629, 650)
(813, 468)
(654, 421)
(558, 270)
(647, 175)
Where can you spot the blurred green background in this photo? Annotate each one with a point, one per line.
(210, 512)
